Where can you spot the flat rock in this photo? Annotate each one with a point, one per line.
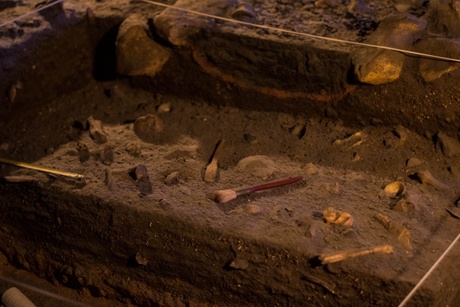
(259, 166)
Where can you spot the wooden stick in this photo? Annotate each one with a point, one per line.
(41, 168)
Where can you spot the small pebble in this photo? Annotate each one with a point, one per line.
(172, 178)
(286, 121)
(107, 155)
(140, 260)
(238, 264)
(134, 149)
(83, 152)
(401, 133)
(164, 108)
(404, 206)
(250, 138)
(252, 209)
(141, 175)
(413, 162)
(310, 169)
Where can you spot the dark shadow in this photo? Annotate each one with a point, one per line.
(105, 60)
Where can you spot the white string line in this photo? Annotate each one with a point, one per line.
(409, 296)
(31, 13)
(44, 292)
(331, 39)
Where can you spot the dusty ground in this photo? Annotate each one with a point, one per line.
(103, 238)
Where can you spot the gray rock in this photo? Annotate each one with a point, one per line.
(377, 66)
(137, 53)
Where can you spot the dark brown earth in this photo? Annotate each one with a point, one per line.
(103, 242)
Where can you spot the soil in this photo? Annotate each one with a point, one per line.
(107, 240)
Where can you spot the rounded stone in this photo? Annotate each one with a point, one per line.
(148, 127)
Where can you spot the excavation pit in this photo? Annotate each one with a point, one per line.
(143, 227)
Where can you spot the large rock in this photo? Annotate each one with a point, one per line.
(378, 66)
(444, 18)
(137, 53)
(178, 26)
(431, 70)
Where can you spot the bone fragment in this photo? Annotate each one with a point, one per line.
(399, 231)
(336, 257)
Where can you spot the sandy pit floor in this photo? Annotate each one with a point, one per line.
(344, 168)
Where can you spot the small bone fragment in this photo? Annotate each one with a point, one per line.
(96, 131)
(395, 189)
(333, 216)
(164, 108)
(399, 231)
(18, 179)
(351, 137)
(336, 257)
(252, 209)
(211, 170)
